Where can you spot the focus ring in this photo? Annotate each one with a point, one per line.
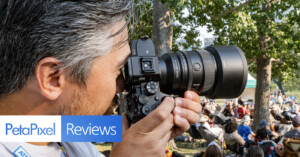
(209, 70)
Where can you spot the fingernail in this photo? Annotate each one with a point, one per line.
(178, 101)
(190, 95)
(178, 110)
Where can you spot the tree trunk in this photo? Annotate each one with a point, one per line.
(162, 31)
(261, 110)
(263, 71)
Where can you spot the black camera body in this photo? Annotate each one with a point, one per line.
(142, 73)
(216, 72)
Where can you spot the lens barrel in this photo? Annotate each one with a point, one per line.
(215, 72)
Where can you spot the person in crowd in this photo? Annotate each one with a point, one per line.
(295, 132)
(205, 111)
(211, 121)
(235, 111)
(296, 110)
(269, 127)
(287, 114)
(267, 145)
(293, 136)
(210, 106)
(275, 115)
(255, 151)
(245, 131)
(233, 140)
(280, 100)
(228, 111)
(216, 131)
(241, 111)
(283, 127)
(212, 150)
(221, 117)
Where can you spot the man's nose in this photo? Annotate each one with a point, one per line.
(120, 83)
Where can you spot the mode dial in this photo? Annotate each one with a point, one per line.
(152, 87)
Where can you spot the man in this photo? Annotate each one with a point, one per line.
(295, 132)
(269, 127)
(292, 136)
(220, 115)
(245, 131)
(64, 58)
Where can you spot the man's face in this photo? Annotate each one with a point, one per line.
(104, 81)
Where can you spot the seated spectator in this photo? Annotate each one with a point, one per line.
(213, 150)
(232, 139)
(268, 146)
(274, 113)
(235, 112)
(284, 127)
(241, 111)
(208, 133)
(265, 125)
(205, 110)
(255, 151)
(295, 132)
(227, 111)
(246, 110)
(211, 121)
(245, 131)
(296, 110)
(220, 115)
(286, 113)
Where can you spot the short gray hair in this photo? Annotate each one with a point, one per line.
(74, 32)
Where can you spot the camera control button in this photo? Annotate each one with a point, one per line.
(143, 99)
(152, 87)
(197, 66)
(146, 110)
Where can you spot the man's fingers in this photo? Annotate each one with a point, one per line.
(165, 126)
(189, 115)
(188, 104)
(157, 116)
(182, 125)
(192, 95)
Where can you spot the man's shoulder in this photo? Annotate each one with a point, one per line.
(27, 149)
(4, 151)
(292, 133)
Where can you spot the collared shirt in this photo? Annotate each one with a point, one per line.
(72, 149)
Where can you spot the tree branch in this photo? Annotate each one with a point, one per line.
(232, 10)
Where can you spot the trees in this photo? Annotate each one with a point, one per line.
(266, 30)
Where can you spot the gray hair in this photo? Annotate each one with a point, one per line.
(74, 32)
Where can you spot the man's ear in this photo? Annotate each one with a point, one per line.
(49, 78)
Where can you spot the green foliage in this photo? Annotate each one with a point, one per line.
(240, 23)
(180, 24)
(243, 23)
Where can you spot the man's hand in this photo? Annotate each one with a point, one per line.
(149, 136)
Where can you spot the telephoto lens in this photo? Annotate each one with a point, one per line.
(215, 72)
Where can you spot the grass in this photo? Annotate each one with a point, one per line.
(189, 149)
(293, 93)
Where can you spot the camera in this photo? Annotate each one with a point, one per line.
(215, 72)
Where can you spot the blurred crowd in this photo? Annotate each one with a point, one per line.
(230, 126)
